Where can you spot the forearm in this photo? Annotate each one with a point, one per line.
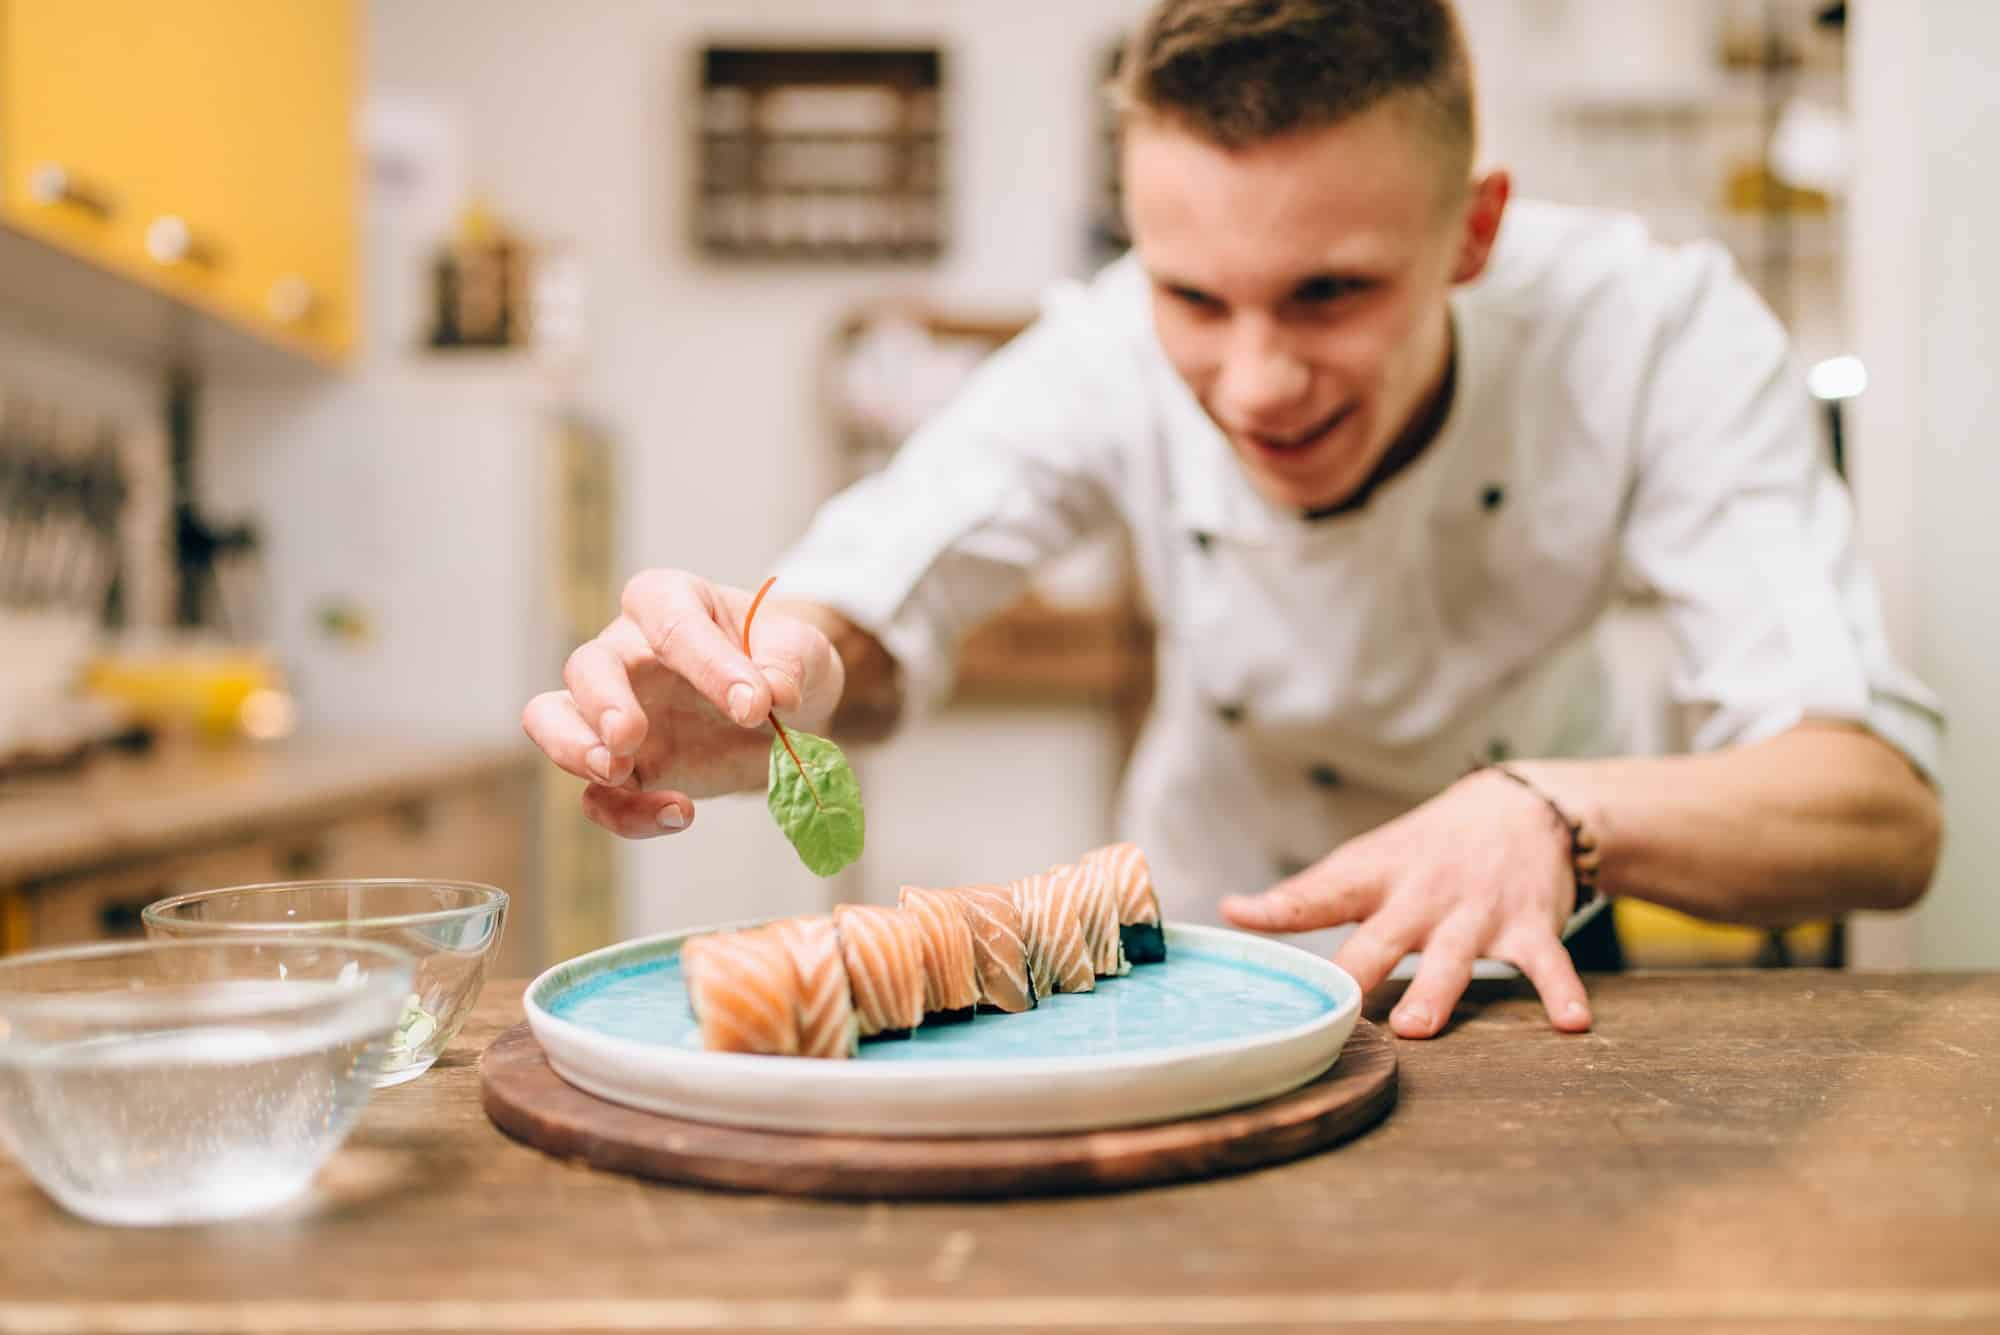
(1821, 819)
(871, 702)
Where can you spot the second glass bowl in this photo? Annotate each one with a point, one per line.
(451, 927)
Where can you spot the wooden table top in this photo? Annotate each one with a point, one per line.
(1742, 1152)
(120, 808)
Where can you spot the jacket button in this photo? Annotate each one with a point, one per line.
(1231, 714)
(1203, 541)
(1492, 497)
(1323, 776)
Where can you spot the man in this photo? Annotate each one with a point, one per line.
(1384, 458)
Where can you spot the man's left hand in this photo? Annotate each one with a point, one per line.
(1480, 870)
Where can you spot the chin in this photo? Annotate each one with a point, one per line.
(1327, 485)
(1324, 473)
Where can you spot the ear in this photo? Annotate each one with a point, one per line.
(1482, 225)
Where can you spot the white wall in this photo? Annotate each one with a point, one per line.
(40, 361)
(1925, 282)
(575, 120)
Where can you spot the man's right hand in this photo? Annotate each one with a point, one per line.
(663, 706)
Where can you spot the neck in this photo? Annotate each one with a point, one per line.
(1410, 443)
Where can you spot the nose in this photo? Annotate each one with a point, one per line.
(1263, 379)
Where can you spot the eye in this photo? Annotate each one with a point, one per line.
(1196, 300)
(1325, 289)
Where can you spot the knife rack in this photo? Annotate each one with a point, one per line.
(83, 513)
(84, 543)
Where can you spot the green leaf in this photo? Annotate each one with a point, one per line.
(819, 809)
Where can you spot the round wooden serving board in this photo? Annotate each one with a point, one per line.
(530, 1102)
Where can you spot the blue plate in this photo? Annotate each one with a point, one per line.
(1228, 1018)
(1195, 997)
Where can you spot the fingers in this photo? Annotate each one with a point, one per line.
(1324, 895)
(1441, 980)
(1553, 973)
(601, 690)
(554, 724)
(637, 815)
(796, 658)
(1373, 950)
(680, 619)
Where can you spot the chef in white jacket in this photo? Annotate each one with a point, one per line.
(1385, 444)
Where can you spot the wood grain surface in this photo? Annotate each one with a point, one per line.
(1773, 1152)
(117, 809)
(529, 1101)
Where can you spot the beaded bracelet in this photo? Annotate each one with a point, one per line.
(1583, 851)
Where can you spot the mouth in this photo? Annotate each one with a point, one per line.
(1292, 446)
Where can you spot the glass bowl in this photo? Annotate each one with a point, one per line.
(168, 1082)
(452, 927)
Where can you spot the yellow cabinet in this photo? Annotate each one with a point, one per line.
(201, 147)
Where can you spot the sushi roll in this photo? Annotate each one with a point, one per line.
(999, 948)
(827, 1025)
(745, 992)
(883, 949)
(951, 975)
(1139, 921)
(1058, 955)
(1088, 885)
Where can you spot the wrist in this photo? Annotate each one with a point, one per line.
(1576, 816)
(869, 703)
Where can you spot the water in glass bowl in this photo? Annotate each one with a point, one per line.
(205, 1120)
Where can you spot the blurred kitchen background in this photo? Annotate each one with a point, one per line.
(352, 354)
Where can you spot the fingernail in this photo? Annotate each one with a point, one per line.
(742, 703)
(1576, 1012)
(672, 818)
(599, 763)
(609, 724)
(1414, 1019)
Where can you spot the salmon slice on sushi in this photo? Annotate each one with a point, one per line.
(1140, 928)
(1087, 885)
(745, 992)
(951, 971)
(883, 950)
(827, 1025)
(999, 948)
(1058, 955)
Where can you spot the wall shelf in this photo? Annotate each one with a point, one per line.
(820, 154)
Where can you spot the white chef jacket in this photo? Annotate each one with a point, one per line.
(1624, 411)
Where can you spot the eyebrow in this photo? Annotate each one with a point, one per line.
(1335, 277)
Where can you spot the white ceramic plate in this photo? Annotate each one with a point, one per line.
(1229, 1019)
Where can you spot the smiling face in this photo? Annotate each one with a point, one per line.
(1299, 285)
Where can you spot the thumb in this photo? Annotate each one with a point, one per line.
(1326, 894)
(798, 661)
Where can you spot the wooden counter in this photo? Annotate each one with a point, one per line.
(1784, 1151)
(81, 853)
(118, 809)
